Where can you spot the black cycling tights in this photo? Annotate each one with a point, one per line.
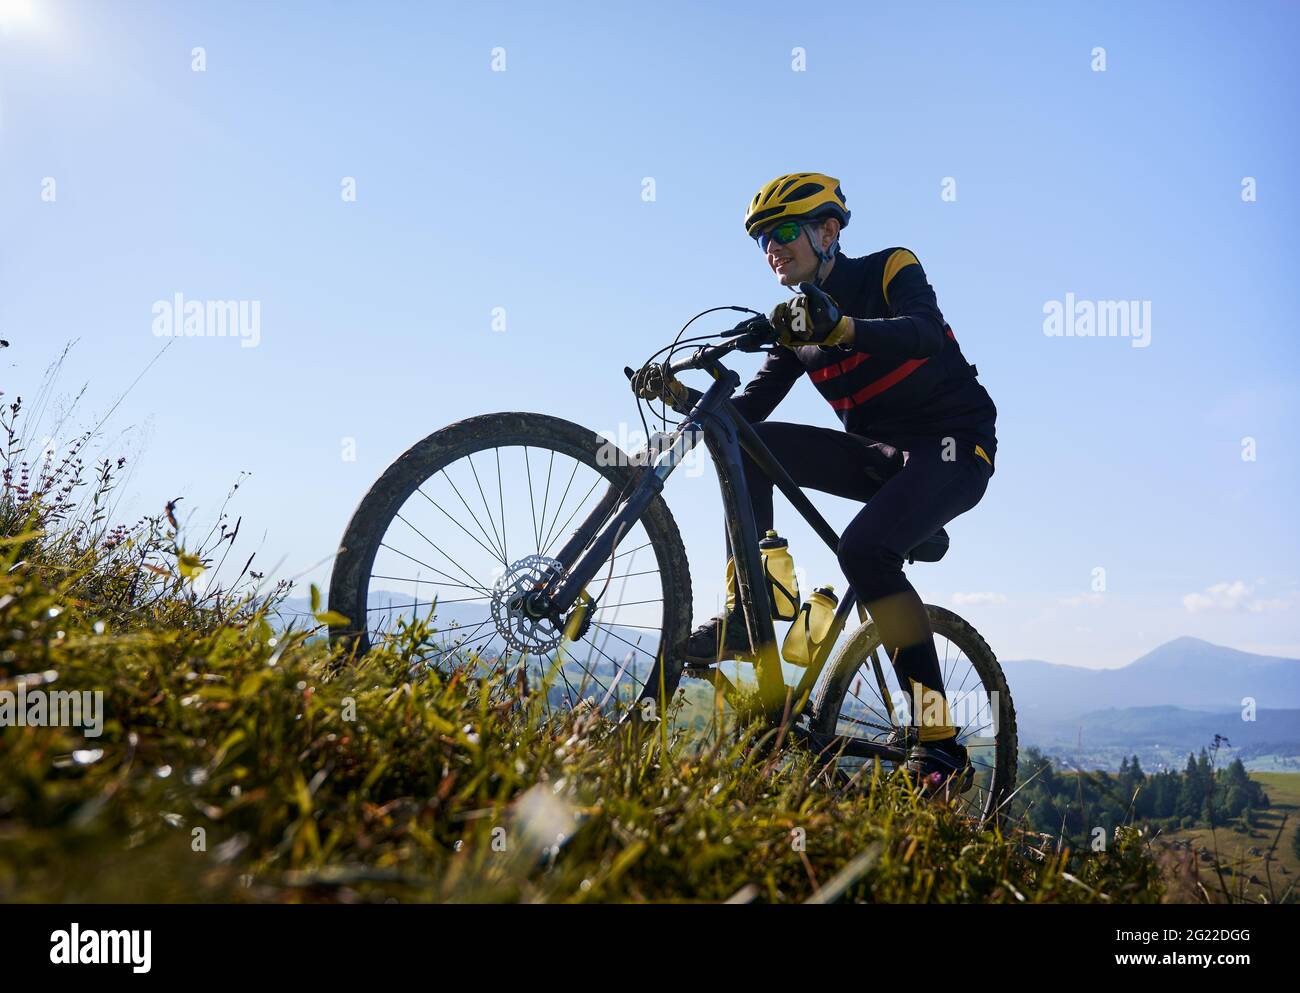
(907, 503)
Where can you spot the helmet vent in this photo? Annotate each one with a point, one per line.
(803, 192)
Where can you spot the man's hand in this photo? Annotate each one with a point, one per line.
(655, 382)
(811, 318)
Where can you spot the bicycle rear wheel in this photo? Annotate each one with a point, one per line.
(471, 516)
(849, 702)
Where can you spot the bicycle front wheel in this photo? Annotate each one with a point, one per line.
(471, 517)
(849, 702)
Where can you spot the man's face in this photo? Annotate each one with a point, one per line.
(796, 262)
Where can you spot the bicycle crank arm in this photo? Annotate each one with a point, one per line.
(829, 745)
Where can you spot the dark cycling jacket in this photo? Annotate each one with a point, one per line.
(904, 381)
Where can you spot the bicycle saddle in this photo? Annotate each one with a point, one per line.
(931, 550)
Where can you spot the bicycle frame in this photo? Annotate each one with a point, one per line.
(715, 420)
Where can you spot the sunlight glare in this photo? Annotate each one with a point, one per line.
(16, 12)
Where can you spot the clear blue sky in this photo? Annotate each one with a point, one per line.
(480, 189)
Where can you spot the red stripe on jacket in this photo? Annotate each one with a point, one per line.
(873, 388)
(879, 386)
(839, 368)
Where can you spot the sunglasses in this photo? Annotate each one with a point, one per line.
(782, 234)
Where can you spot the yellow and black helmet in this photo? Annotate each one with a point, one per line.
(799, 196)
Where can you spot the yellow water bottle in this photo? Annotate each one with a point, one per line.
(778, 567)
(811, 627)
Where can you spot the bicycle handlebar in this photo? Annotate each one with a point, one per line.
(749, 336)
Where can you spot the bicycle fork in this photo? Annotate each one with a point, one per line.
(648, 482)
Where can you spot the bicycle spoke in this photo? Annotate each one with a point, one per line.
(618, 676)
(611, 633)
(545, 498)
(501, 503)
(528, 470)
(468, 634)
(609, 514)
(970, 671)
(621, 592)
(607, 658)
(479, 623)
(872, 709)
(966, 693)
(426, 565)
(495, 554)
(403, 607)
(643, 572)
(559, 507)
(474, 517)
(599, 480)
(879, 681)
(629, 551)
(468, 599)
(973, 736)
(572, 693)
(467, 573)
(486, 510)
(417, 579)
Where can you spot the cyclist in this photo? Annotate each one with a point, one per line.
(918, 440)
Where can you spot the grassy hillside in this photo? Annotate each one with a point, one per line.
(1247, 855)
(242, 763)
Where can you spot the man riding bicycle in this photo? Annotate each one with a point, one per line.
(918, 440)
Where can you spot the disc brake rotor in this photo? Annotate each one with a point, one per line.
(535, 635)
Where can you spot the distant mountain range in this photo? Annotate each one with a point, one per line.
(1169, 702)
(1185, 672)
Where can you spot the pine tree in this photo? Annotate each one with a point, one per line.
(1236, 774)
(1236, 801)
(1190, 797)
(1136, 770)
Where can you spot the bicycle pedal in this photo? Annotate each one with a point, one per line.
(699, 670)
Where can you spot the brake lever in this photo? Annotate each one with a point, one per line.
(759, 332)
(758, 322)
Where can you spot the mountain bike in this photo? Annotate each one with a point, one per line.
(479, 519)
